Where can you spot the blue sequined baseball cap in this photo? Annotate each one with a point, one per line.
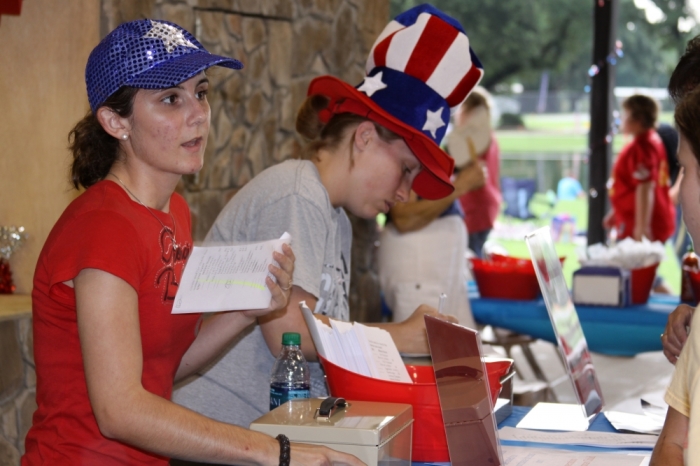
(146, 54)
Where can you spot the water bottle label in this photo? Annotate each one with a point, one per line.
(280, 395)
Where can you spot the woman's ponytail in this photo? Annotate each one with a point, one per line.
(95, 151)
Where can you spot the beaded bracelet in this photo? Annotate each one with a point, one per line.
(285, 450)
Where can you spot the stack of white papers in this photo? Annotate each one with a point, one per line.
(227, 278)
(588, 438)
(369, 351)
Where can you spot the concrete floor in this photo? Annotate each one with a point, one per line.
(623, 380)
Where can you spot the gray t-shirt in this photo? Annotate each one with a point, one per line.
(286, 197)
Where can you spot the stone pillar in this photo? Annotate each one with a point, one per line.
(17, 387)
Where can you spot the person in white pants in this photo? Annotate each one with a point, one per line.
(422, 252)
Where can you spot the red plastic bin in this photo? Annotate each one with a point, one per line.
(505, 279)
(429, 441)
(641, 281)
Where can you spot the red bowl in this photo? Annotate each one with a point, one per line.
(519, 275)
(429, 441)
(490, 277)
(525, 264)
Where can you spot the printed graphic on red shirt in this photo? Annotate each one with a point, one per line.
(174, 257)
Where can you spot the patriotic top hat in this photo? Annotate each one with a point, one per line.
(419, 69)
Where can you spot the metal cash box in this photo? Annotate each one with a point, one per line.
(377, 433)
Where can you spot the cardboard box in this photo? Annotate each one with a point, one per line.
(377, 433)
(601, 286)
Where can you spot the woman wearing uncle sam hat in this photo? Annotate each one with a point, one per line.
(107, 347)
(368, 147)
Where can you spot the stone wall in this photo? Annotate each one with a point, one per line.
(283, 45)
(17, 387)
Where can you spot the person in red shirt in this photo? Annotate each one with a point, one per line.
(107, 347)
(481, 206)
(639, 187)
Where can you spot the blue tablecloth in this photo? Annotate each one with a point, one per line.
(617, 331)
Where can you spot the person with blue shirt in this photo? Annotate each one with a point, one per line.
(569, 188)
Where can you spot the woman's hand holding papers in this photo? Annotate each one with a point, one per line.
(676, 332)
(282, 289)
(217, 331)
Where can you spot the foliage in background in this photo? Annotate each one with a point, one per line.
(514, 39)
(519, 40)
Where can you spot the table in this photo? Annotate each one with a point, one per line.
(15, 306)
(615, 331)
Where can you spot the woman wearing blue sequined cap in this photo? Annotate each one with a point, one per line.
(107, 347)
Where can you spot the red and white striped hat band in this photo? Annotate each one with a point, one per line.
(419, 69)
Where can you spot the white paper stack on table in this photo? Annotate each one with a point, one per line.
(369, 351)
(227, 277)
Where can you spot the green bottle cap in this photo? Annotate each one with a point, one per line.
(291, 338)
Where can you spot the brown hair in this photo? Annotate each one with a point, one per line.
(475, 99)
(686, 75)
(330, 135)
(643, 109)
(687, 116)
(95, 151)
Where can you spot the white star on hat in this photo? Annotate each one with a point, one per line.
(372, 84)
(433, 121)
(170, 35)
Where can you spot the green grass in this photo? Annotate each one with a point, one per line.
(532, 142)
(555, 133)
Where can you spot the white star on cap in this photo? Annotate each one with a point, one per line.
(433, 121)
(170, 35)
(372, 84)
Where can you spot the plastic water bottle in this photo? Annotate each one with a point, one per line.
(290, 374)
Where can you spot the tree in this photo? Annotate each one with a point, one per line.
(513, 38)
(651, 50)
(518, 40)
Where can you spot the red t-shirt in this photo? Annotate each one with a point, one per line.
(644, 159)
(104, 229)
(481, 206)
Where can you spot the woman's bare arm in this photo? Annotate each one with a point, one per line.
(108, 324)
(644, 201)
(672, 440)
(218, 331)
(290, 319)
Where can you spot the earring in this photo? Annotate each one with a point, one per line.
(125, 136)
